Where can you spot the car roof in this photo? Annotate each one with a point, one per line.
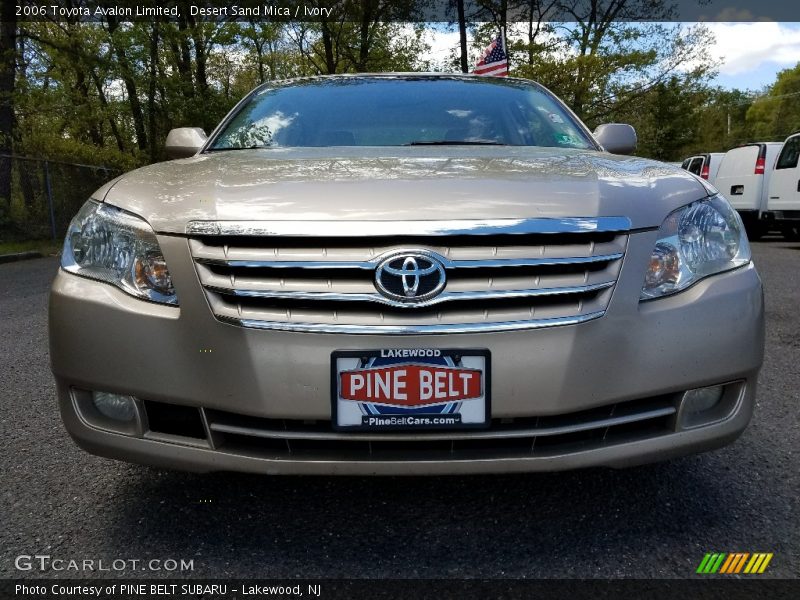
(405, 75)
(748, 144)
(410, 76)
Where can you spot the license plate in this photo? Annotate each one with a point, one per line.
(394, 389)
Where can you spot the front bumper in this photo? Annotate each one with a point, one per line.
(102, 339)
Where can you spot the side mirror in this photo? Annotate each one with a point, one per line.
(617, 138)
(184, 142)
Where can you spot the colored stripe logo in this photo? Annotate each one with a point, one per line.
(731, 563)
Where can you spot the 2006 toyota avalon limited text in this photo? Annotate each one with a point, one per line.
(405, 274)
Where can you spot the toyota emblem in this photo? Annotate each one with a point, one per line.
(410, 277)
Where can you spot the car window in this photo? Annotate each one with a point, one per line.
(789, 154)
(395, 112)
(696, 165)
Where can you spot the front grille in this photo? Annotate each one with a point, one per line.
(500, 275)
(522, 437)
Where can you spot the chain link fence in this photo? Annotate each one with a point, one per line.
(45, 195)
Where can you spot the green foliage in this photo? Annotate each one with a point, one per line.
(666, 120)
(45, 247)
(601, 73)
(722, 123)
(107, 93)
(777, 114)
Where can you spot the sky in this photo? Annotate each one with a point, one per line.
(753, 53)
(750, 54)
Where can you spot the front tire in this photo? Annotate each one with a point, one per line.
(792, 233)
(755, 230)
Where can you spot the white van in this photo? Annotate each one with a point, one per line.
(693, 164)
(704, 165)
(783, 204)
(743, 178)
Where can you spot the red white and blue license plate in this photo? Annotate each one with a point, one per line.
(410, 388)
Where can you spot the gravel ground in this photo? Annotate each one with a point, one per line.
(653, 521)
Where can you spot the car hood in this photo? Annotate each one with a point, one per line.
(399, 184)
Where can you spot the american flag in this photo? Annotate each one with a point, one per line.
(494, 60)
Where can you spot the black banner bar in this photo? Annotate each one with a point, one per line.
(711, 588)
(394, 10)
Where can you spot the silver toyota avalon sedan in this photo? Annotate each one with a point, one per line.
(405, 274)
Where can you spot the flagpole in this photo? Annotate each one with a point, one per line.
(505, 48)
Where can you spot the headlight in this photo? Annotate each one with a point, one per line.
(115, 246)
(698, 240)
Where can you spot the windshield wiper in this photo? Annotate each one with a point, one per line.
(456, 143)
(229, 148)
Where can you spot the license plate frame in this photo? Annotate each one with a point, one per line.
(476, 359)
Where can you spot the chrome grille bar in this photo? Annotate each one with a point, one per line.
(443, 297)
(320, 277)
(423, 329)
(449, 264)
(360, 229)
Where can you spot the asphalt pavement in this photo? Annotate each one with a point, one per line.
(651, 521)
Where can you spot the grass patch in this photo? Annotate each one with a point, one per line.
(46, 247)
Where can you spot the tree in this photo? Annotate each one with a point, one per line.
(609, 58)
(120, 41)
(8, 70)
(776, 114)
(723, 120)
(109, 92)
(668, 119)
(264, 44)
(361, 36)
(462, 36)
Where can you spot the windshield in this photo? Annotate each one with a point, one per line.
(376, 111)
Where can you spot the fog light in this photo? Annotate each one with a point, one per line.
(702, 399)
(114, 406)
